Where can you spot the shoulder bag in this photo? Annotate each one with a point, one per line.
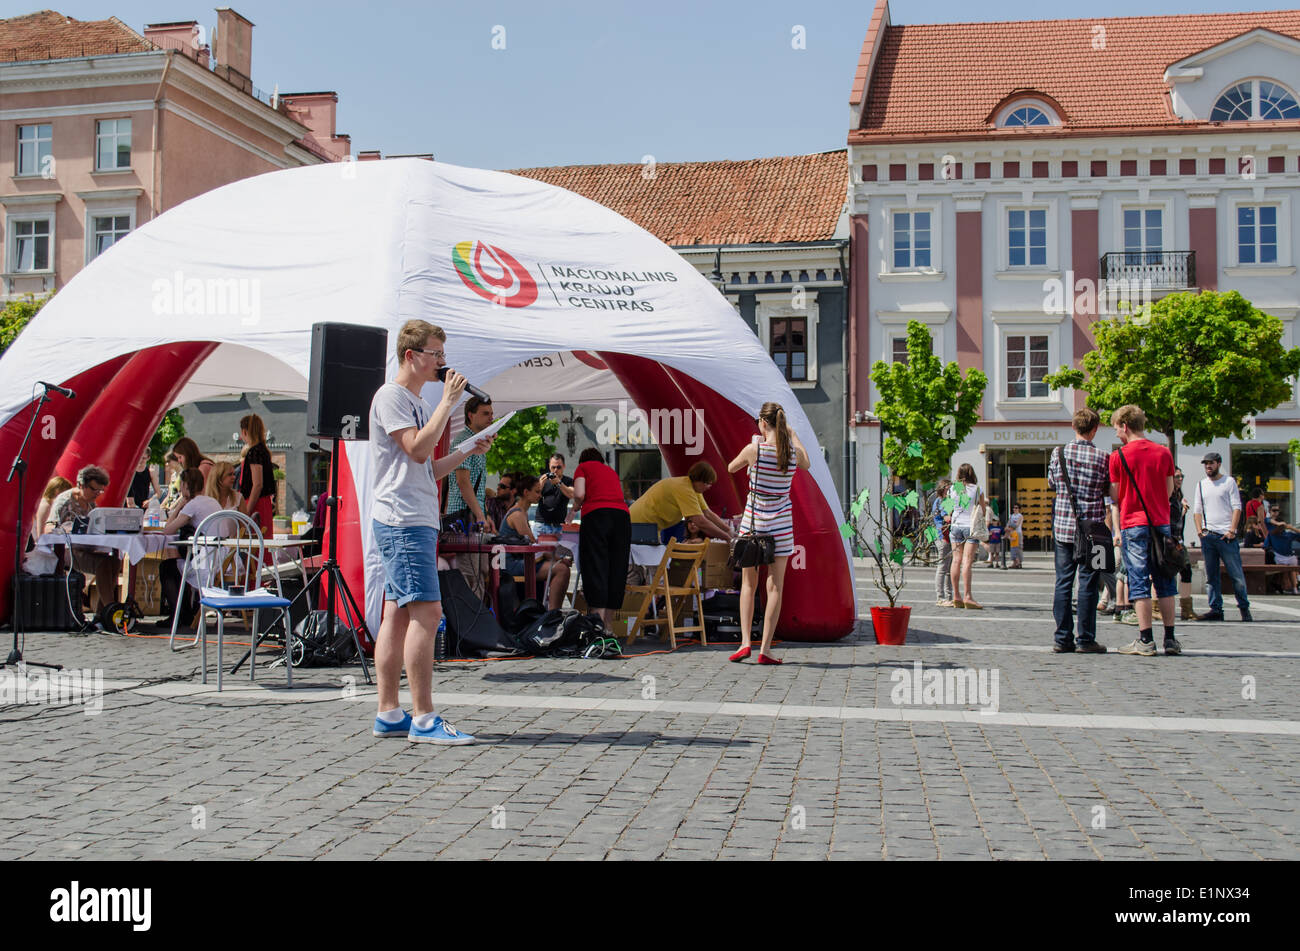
(756, 548)
(1093, 542)
(1168, 555)
(463, 516)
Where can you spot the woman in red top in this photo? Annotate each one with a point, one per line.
(605, 537)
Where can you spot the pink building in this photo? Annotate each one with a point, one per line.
(102, 128)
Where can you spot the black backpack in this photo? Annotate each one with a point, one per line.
(313, 647)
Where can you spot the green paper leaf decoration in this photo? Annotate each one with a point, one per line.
(930, 534)
(907, 544)
(855, 510)
(884, 471)
(915, 449)
(910, 498)
(897, 556)
(846, 531)
(948, 505)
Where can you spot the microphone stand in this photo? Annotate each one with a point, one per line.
(19, 468)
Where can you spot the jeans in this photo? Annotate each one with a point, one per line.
(1139, 564)
(943, 574)
(1087, 601)
(410, 558)
(1215, 548)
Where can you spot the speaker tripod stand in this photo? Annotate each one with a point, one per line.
(332, 575)
(19, 468)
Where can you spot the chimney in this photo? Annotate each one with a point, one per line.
(186, 37)
(234, 48)
(371, 155)
(318, 112)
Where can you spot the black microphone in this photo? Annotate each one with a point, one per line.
(473, 390)
(58, 389)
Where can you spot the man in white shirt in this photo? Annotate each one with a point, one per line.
(404, 431)
(1216, 510)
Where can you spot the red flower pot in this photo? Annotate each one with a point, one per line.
(890, 624)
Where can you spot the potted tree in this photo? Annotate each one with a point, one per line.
(888, 550)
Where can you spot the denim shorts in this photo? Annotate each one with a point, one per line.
(410, 556)
(1139, 564)
(959, 536)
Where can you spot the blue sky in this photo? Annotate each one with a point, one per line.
(581, 82)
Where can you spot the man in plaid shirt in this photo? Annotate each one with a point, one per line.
(1090, 478)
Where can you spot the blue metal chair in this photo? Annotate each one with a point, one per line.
(227, 551)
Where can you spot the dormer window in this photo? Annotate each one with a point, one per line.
(1027, 116)
(1024, 113)
(1255, 99)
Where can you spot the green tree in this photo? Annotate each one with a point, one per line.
(1200, 363)
(926, 408)
(16, 315)
(525, 443)
(1294, 447)
(169, 430)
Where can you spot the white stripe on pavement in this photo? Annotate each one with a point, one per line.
(735, 709)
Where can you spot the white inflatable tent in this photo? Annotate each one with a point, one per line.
(219, 295)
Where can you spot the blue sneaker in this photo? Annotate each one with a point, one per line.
(442, 733)
(400, 728)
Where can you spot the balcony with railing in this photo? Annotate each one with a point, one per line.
(1156, 270)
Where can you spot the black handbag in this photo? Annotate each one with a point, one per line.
(1098, 544)
(754, 549)
(1167, 553)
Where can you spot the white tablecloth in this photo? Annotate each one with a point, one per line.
(134, 546)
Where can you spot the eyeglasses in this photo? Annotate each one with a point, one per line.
(94, 487)
(556, 468)
(440, 354)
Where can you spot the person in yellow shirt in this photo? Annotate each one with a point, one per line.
(677, 504)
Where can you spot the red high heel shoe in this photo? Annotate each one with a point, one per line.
(764, 659)
(739, 655)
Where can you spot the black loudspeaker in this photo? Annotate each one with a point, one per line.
(347, 367)
(49, 602)
(473, 628)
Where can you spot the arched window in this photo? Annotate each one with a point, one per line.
(1026, 116)
(1255, 99)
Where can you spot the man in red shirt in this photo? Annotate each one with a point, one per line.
(1142, 489)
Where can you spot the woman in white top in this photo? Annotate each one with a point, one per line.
(968, 498)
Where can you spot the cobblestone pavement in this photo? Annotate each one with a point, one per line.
(685, 756)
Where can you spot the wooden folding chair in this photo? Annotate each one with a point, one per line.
(676, 580)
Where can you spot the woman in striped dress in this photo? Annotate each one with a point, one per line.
(770, 459)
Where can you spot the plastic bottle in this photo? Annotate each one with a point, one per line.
(153, 513)
(440, 640)
(300, 522)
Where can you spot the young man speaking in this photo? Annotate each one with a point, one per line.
(404, 430)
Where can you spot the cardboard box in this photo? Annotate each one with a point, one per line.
(716, 572)
(148, 584)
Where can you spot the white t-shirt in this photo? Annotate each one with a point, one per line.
(1221, 497)
(406, 493)
(199, 508)
(961, 515)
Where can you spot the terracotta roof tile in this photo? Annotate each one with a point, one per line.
(757, 201)
(946, 79)
(51, 35)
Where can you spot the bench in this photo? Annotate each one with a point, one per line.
(1258, 574)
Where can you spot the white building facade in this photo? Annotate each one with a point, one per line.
(1117, 160)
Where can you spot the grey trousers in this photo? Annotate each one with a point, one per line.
(943, 573)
